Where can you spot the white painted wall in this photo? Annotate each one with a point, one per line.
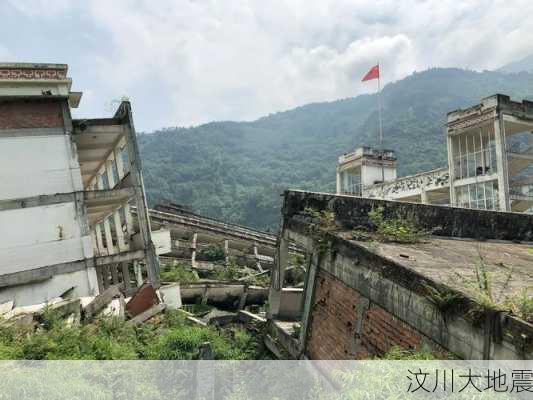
(160, 238)
(37, 165)
(39, 236)
(372, 173)
(40, 292)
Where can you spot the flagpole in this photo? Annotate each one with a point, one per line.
(380, 125)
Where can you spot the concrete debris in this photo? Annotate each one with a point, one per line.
(171, 296)
(206, 352)
(66, 307)
(191, 318)
(34, 308)
(144, 299)
(219, 317)
(248, 317)
(20, 321)
(6, 307)
(100, 302)
(222, 294)
(147, 314)
(116, 308)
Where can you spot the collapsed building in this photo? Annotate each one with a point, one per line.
(490, 162)
(67, 190)
(363, 296)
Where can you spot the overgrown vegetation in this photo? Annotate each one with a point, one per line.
(521, 305)
(387, 229)
(325, 218)
(444, 300)
(177, 273)
(229, 272)
(399, 353)
(488, 300)
(212, 253)
(167, 337)
(399, 230)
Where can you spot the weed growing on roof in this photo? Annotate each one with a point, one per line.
(399, 230)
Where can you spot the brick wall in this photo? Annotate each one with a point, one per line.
(381, 331)
(333, 319)
(30, 114)
(345, 325)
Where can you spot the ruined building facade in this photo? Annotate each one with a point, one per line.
(67, 190)
(490, 163)
(364, 296)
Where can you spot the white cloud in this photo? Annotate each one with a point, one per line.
(239, 59)
(41, 8)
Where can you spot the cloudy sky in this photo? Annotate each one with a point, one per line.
(185, 62)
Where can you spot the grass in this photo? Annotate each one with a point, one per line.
(399, 353)
(445, 301)
(399, 230)
(326, 219)
(167, 337)
(520, 304)
(177, 273)
(212, 253)
(228, 272)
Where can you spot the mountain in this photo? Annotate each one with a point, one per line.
(236, 171)
(523, 65)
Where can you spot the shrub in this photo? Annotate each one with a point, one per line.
(227, 272)
(165, 337)
(397, 229)
(177, 273)
(212, 253)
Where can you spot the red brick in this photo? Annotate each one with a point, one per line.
(333, 321)
(30, 114)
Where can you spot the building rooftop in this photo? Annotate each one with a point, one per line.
(32, 80)
(463, 241)
(453, 261)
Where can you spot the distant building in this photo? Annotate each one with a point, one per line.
(67, 189)
(490, 163)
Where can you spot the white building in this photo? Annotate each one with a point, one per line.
(66, 191)
(490, 158)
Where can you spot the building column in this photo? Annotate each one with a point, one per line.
(339, 182)
(424, 199)
(278, 275)
(152, 261)
(501, 161)
(451, 169)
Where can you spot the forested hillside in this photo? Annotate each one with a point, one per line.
(236, 171)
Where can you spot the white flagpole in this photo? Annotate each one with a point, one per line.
(380, 125)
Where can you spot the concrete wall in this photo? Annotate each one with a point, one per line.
(357, 310)
(441, 220)
(38, 165)
(290, 304)
(84, 283)
(38, 160)
(39, 236)
(370, 174)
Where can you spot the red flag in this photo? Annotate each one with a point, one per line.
(372, 74)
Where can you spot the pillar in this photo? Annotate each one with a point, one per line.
(278, 275)
(501, 161)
